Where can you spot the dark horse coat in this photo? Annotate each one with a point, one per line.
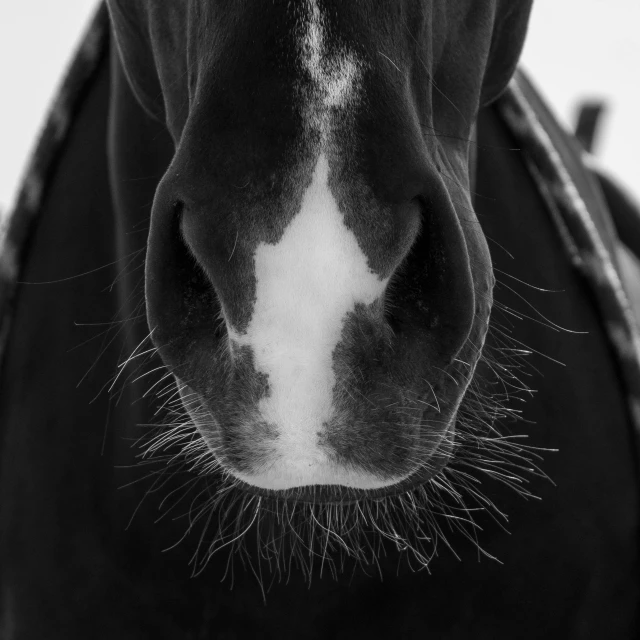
(499, 537)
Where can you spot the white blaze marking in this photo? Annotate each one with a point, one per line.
(306, 285)
(335, 76)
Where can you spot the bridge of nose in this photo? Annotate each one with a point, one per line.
(305, 172)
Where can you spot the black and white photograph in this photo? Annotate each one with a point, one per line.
(319, 320)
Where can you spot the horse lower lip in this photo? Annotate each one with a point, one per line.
(336, 494)
(340, 494)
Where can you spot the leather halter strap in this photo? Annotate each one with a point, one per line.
(580, 214)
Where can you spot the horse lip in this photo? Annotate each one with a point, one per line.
(343, 495)
(438, 458)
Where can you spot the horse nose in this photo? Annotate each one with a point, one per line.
(199, 269)
(431, 295)
(334, 312)
(448, 282)
(430, 292)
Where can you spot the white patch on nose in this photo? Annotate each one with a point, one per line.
(334, 76)
(306, 285)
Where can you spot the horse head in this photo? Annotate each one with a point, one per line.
(316, 278)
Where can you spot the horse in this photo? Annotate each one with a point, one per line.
(314, 325)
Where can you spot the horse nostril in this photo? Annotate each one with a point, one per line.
(178, 210)
(194, 274)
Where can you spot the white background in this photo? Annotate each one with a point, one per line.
(575, 49)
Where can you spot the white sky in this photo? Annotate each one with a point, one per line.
(575, 49)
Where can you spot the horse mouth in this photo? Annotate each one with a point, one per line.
(337, 494)
(343, 524)
(336, 521)
(430, 451)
